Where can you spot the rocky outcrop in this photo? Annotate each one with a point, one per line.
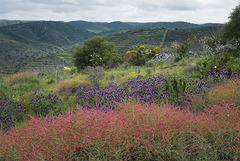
(162, 56)
(223, 48)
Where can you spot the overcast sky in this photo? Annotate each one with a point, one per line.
(195, 11)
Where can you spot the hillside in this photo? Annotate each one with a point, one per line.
(102, 27)
(153, 36)
(11, 22)
(23, 43)
(55, 33)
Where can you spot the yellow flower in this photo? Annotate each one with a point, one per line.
(141, 47)
(132, 52)
(128, 52)
(101, 81)
(66, 68)
(175, 46)
(156, 48)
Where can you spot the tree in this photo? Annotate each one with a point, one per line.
(96, 51)
(231, 30)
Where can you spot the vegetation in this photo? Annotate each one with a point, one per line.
(186, 108)
(231, 30)
(96, 51)
(140, 125)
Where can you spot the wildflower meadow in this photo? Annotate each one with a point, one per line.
(142, 118)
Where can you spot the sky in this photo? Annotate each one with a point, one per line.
(194, 11)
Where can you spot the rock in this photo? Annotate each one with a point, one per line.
(223, 48)
(162, 56)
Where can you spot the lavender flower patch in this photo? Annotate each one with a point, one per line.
(10, 113)
(176, 90)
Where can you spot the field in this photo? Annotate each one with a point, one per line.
(161, 112)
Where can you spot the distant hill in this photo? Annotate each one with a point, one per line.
(21, 44)
(153, 36)
(173, 25)
(11, 22)
(38, 45)
(55, 33)
(103, 27)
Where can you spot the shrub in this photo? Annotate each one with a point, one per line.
(73, 70)
(182, 50)
(10, 113)
(140, 56)
(2, 93)
(190, 68)
(95, 74)
(227, 91)
(21, 77)
(231, 29)
(202, 63)
(43, 104)
(96, 51)
(150, 64)
(227, 58)
(67, 86)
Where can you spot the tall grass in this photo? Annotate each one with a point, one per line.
(135, 132)
(21, 77)
(67, 85)
(227, 90)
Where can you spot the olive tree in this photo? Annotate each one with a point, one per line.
(96, 51)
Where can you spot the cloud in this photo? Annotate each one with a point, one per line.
(197, 11)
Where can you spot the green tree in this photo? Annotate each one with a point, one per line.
(96, 51)
(231, 30)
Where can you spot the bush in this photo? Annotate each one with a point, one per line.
(10, 113)
(140, 56)
(43, 104)
(96, 51)
(182, 50)
(215, 62)
(231, 30)
(202, 63)
(95, 74)
(22, 77)
(150, 64)
(190, 68)
(68, 86)
(73, 70)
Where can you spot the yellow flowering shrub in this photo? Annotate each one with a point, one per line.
(175, 46)
(141, 47)
(140, 56)
(66, 68)
(132, 52)
(156, 48)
